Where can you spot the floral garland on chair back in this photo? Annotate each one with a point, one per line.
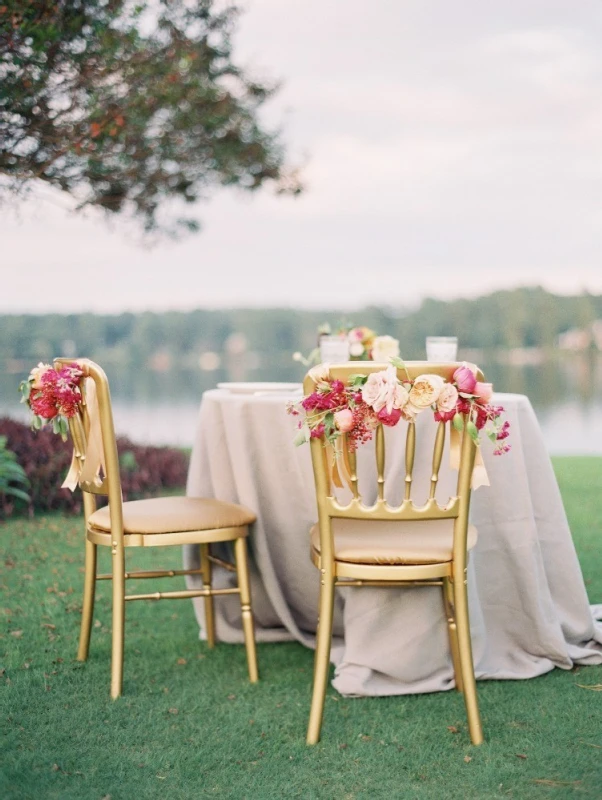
(52, 395)
(356, 409)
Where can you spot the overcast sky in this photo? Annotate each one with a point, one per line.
(449, 149)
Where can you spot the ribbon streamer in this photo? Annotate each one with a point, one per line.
(479, 473)
(86, 466)
(339, 469)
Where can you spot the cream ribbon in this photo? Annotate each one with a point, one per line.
(339, 469)
(86, 468)
(479, 473)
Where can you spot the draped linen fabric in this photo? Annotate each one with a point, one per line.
(528, 604)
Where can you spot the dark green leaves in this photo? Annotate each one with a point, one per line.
(12, 475)
(357, 381)
(129, 107)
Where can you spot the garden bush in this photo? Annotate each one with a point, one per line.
(45, 458)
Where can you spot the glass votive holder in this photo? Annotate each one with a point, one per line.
(441, 348)
(334, 349)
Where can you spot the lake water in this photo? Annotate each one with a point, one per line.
(162, 407)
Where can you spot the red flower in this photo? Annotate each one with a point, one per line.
(389, 418)
(43, 405)
(317, 432)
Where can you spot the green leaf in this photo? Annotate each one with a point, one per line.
(64, 428)
(329, 424)
(302, 436)
(18, 493)
(397, 362)
(458, 422)
(357, 380)
(472, 431)
(492, 435)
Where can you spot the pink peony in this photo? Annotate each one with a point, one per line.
(389, 417)
(483, 392)
(344, 420)
(465, 379)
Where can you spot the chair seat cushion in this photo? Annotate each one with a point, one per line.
(175, 514)
(392, 542)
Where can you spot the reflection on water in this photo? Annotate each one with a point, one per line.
(162, 407)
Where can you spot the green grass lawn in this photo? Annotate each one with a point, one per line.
(190, 726)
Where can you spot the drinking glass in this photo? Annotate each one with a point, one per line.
(334, 349)
(441, 348)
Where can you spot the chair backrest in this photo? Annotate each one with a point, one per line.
(94, 445)
(330, 507)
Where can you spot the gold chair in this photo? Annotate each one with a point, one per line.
(356, 545)
(145, 523)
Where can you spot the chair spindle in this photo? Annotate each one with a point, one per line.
(380, 462)
(410, 455)
(352, 455)
(437, 456)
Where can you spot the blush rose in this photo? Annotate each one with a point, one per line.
(344, 420)
(383, 390)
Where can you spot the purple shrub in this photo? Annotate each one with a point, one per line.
(145, 471)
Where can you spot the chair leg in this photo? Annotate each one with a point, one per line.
(209, 608)
(452, 631)
(88, 601)
(466, 662)
(242, 569)
(118, 623)
(322, 658)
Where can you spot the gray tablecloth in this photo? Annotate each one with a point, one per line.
(528, 604)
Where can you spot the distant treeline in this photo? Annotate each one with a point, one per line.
(526, 317)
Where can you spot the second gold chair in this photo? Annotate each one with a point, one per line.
(157, 522)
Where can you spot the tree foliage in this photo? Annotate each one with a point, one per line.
(524, 317)
(128, 105)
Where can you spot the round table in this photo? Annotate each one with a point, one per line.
(528, 604)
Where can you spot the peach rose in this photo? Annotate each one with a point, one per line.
(384, 348)
(448, 398)
(389, 418)
(383, 390)
(425, 391)
(344, 420)
(483, 392)
(320, 374)
(35, 376)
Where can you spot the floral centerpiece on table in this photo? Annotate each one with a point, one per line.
(356, 408)
(364, 344)
(52, 395)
